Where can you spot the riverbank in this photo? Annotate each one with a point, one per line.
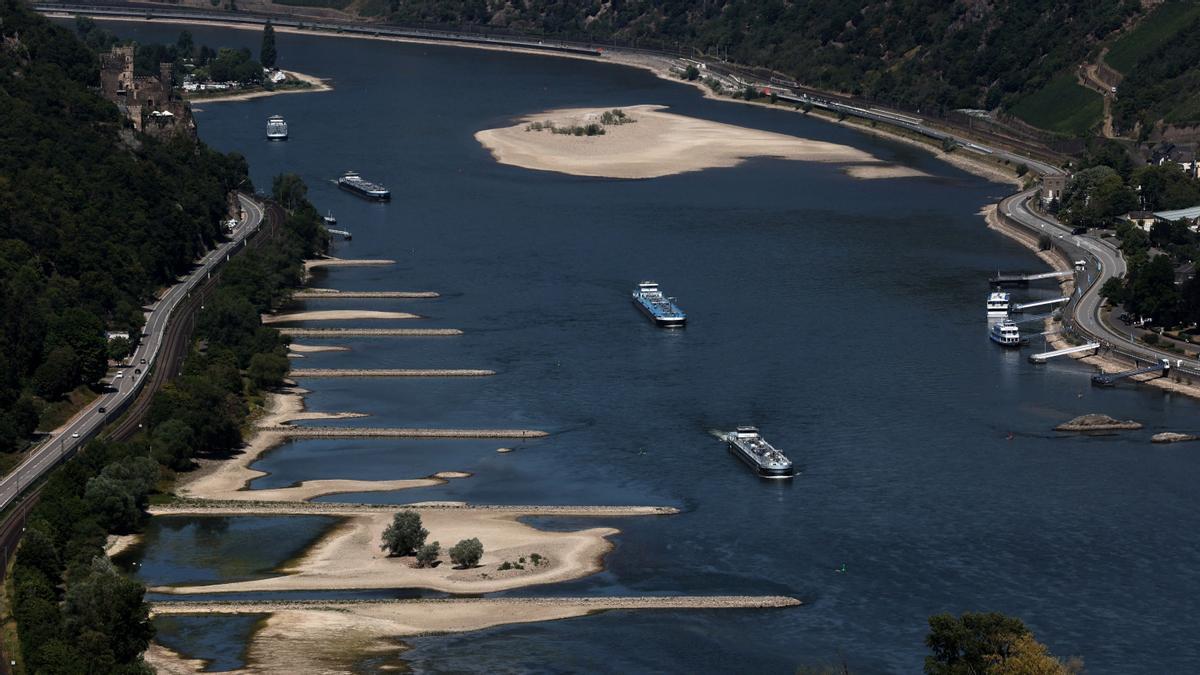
(332, 636)
(649, 142)
(310, 85)
(659, 65)
(1056, 340)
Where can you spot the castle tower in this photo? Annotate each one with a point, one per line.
(165, 71)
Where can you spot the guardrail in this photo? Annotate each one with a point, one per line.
(1107, 346)
(117, 409)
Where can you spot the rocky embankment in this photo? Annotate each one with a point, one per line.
(1097, 422)
(1173, 437)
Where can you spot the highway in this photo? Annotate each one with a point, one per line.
(125, 383)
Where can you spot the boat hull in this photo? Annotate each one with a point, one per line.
(386, 197)
(662, 322)
(1006, 345)
(762, 471)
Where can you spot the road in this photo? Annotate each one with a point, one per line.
(126, 383)
(1104, 261)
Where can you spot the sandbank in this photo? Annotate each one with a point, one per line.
(228, 479)
(329, 293)
(335, 315)
(659, 143)
(350, 557)
(332, 636)
(309, 349)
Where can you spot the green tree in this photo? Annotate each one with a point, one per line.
(118, 349)
(290, 191)
(405, 535)
(172, 444)
(971, 643)
(105, 612)
(992, 643)
(691, 73)
(185, 45)
(428, 554)
(267, 369)
(466, 553)
(267, 54)
(58, 374)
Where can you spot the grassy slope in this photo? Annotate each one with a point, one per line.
(1156, 28)
(1063, 105)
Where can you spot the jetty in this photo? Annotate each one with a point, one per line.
(390, 372)
(1039, 303)
(397, 432)
(499, 605)
(1023, 279)
(367, 332)
(1046, 356)
(322, 294)
(1109, 379)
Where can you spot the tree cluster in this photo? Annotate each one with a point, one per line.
(405, 536)
(924, 54)
(92, 219)
(989, 644)
(75, 612)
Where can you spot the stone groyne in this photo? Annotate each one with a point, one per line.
(314, 293)
(216, 507)
(500, 604)
(368, 332)
(390, 372)
(398, 432)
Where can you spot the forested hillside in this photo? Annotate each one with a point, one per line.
(93, 218)
(920, 53)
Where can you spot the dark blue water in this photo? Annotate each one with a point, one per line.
(844, 317)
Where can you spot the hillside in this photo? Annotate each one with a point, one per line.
(94, 218)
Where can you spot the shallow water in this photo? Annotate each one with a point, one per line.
(844, 317)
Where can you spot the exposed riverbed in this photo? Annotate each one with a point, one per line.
(844, 317)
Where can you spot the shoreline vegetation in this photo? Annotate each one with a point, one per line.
(297, 83)
(660, 66)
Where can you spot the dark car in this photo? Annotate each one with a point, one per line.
(102, 409)
(137, 371)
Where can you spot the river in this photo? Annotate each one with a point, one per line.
(844, 317)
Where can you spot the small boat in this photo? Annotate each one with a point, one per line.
(998, 304)
(329, 219)
(1005, 333)
(276, 128)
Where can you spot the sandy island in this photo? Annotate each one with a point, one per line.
(332, 636)
(660, 143)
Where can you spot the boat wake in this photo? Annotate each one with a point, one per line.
(718, 434)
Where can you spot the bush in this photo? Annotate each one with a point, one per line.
(1045, 242)
(1150, 338)
(691, 73)
(428, 554)
(404, 535)
(467, 553)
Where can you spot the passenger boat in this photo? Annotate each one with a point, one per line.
(998, 304)
(754, 450)
(657, 306)
(329, 219)
(276, 128)
(1005, 333)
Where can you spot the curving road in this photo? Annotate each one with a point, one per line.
(126, 383)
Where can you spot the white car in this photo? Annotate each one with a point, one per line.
(75, 435)
(120, 374)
